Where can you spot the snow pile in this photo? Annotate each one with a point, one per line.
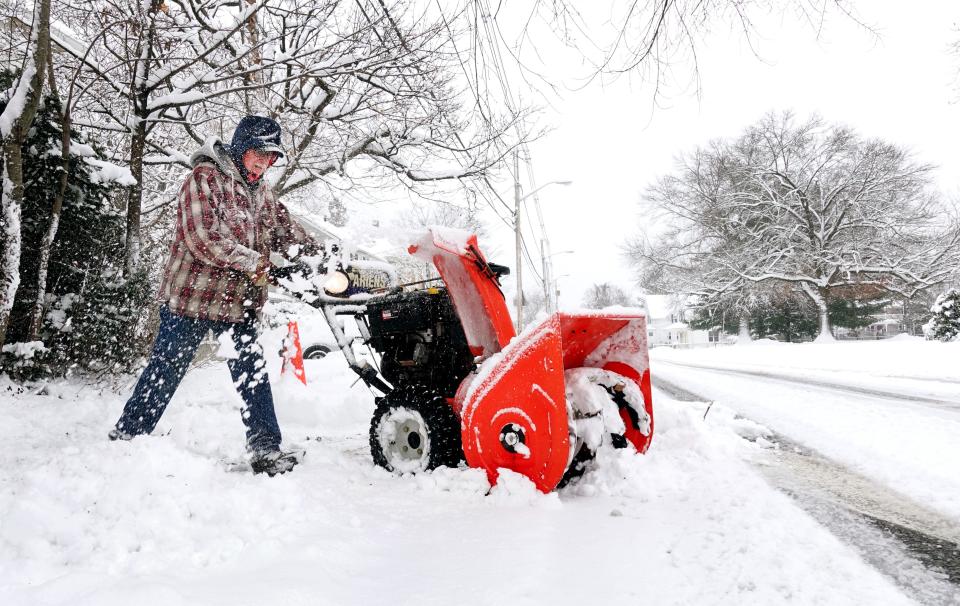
(513, 489)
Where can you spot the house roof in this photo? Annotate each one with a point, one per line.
(326, 231)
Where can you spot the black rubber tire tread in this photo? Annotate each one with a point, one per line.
(443, 425)
(578, 466)
(310, 352)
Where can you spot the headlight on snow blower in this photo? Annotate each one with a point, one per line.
(336, 283)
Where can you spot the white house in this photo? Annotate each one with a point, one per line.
(325, 232)
(667, 326)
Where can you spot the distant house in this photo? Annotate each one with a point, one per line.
(886, 324)
(667, 317)
(326, 232)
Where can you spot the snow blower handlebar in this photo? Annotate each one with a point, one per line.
(334, 298)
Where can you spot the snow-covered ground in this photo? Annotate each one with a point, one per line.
(912, 446)
(160, 520)
(909, 365)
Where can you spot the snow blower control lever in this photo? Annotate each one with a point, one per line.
(456, 381)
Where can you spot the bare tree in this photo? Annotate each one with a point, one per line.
(803, 203)
(426, 213)
(606, 294)
(363, 83)
(650, 38)
(22, 103)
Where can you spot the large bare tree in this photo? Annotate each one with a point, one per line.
(364, 82)
(804, 203)
(606, 294)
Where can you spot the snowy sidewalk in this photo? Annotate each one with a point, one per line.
(159, 520)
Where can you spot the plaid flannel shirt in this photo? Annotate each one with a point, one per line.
(223, 229)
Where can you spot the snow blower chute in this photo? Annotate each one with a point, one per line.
(463, 385)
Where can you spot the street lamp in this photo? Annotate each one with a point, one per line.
(556, 290)
(516, 226)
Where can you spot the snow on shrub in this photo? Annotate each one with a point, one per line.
(945, 323)
(24, 351)
(26, 360)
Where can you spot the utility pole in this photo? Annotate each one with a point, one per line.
(516, 227)
(549, 301)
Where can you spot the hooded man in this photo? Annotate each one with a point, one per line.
(228, 223)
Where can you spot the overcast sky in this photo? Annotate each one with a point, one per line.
(611, 142)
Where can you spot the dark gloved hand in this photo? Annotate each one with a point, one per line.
(296, 253)
(285, 273)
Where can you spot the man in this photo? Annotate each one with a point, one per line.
(228, 222)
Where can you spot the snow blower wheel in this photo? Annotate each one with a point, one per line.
(414, 429)
(316, 352)
(589, 400)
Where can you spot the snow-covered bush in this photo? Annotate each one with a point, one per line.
(91, 314)
(25, 361)
(945, 323)
(111, 324)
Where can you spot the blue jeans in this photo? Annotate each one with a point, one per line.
(176, 343)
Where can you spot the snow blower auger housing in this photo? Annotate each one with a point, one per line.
(459, 383)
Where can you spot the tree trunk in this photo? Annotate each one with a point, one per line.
(135, 199)
(818, 296)
(252, 76)
(744, 336)
(46, 246)
(11, 198)
(12, 241)
(138, 143)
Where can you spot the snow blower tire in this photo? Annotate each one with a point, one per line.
(316, 352)
(585, 454)
(414, 429)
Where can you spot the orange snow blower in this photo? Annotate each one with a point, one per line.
(458, 383)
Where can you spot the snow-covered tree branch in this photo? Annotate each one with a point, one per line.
(349, 81)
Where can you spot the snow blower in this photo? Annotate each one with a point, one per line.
(458, 383)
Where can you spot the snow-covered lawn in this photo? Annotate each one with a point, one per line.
(911, 446)
(160, 520)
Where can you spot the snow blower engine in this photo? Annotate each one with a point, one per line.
(458, 383)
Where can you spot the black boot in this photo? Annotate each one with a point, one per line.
(116, 434)
(272, 462)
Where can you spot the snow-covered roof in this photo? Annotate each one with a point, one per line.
(318, 227)
(327, 231)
